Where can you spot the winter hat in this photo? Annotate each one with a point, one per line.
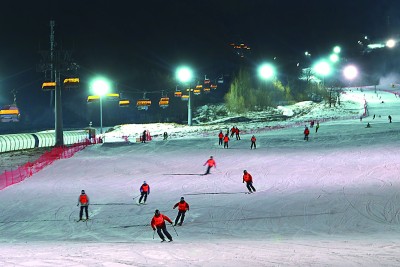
(83, 192)
(182, 198)
(157, 212)
(144, 182)
(244, 171)
(211, 157)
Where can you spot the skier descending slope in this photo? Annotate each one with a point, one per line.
(183, 206)
(144, 191)
(158, 222)
(249, 181)
(83, 200)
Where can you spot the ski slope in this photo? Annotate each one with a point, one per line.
(331, 201)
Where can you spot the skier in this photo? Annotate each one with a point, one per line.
(144, 137)
(306, 133)
(165, 135)
(237, 133)
(317, 127)
(220, 137)
(253, 142)
(249, 181)
(233, 131)
(83, 200)
(144, 191)
(158, 222)
(183, 206)
(390, 119)
(226, 140)
(210, 163)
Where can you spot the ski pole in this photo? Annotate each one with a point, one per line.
(136, 196)
(174, 229)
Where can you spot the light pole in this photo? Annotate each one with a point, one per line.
(184, 75)
(101, 87)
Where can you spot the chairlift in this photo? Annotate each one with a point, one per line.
(196, 91)
(70, 83)
(9, 113)
(177, 92)
(164, 102)
(93, 98)
(185, 97)
(213, 86)
(206, 80)
(221, 79)
(144, 103)
(206, 90)
(112, 97)
(124, 103)
(49, 86)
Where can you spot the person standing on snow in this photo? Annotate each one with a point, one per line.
(210, 163)
(233, 131)
(237, 133)
(253, 142)
(306, 133)
(144, 137)
(390, 119)
(183, 206)
(158, 222)
(83, 200)
(220, 137)
(249, 181)
(144, 191)
(317, 127)
(226, 140)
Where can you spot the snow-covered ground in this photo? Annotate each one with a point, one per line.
(331, 201)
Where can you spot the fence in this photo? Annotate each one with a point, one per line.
(15, 176)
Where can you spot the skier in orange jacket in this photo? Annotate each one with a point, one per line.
(83, 200)
(249, 181)
(253, 142)
(183, 206)
(144, 191)
(226, 140)
(210, 163)
(158, 222)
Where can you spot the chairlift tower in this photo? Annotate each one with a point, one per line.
(56, 62)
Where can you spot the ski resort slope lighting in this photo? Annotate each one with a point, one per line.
(390, 43)
(184, 74)
(266, 71)
(334, 58)
(350, 72)
(322, 68)
(101, 87)
(337, 49)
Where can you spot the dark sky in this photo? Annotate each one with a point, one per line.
(131, 41)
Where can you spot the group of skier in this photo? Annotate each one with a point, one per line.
(224, 139)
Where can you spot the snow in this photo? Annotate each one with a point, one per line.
(331, 201)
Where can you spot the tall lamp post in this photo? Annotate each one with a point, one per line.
(184, 75)
(101, 87)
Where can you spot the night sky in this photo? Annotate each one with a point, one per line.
(132, 43)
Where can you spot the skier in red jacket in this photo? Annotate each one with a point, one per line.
(249, 181)
(220, 137)
(306, 133)
(226, 140)
(158, 222)
(183, 206)
(210, 163)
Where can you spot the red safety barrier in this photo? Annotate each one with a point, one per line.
(18, 175)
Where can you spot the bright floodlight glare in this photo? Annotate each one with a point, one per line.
(322, 68)
(334, 58)
(184, 74)
(390, 43)
(100, 86)
(350, 72)
(266, 71)
(337, 49)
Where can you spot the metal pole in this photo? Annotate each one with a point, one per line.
(101, 115)
(190, 107)
(58, 112)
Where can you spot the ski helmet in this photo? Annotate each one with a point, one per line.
(83, 192)
(182, 198)
(157, 212)
(244, 171)
(144, 182)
